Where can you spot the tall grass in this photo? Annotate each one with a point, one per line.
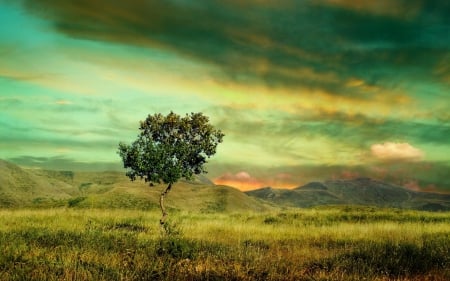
(314, 244)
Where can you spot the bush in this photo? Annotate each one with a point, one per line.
(172, 244)
(271, 220)
(75, 201)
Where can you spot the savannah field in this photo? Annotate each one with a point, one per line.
(326, 243)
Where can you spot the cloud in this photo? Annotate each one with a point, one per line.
(398, 9)
(306, 82)
(413, 185)
(244, 181)
(63, 102)
(357, 130)
(241, 180)
(299, 43)
(64, 163)
(320, 138)
(396, 151)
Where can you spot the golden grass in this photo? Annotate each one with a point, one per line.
(312, 244)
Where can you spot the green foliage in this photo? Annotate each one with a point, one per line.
(173, 244)
(84, 186)
(75, 201)
(271, 220)
(170, 147)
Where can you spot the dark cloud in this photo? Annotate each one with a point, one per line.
(256, 43)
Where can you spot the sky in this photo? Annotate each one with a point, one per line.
(306, 90)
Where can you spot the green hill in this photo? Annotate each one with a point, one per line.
(21, 188)
(361, 191)
(35, 188)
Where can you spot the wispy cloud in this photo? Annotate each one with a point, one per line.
(63, 163)
(63, 102)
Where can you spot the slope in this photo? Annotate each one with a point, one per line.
(21, 187)
(186, 196)
(361, 191)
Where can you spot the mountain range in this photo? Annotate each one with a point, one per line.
(359, 191)
(34, 188)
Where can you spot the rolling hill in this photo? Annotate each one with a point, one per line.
(23, 187)
(361, 191)
(20, 188)
(34, 188)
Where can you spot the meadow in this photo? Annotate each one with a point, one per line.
(333, 243)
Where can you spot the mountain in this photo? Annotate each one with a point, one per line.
(361, 191)
(20, 187)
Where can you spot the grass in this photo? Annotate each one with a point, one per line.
(345, 243)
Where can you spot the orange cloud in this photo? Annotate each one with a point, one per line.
(396, 151)
(241, 180)
(244, 181)
(347, 174)
(414, 185)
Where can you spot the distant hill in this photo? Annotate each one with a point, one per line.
(361, 191)
(23, 187)
(36, 188)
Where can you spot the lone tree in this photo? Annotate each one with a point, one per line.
(169, 148)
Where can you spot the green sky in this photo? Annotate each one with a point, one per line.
(304, 90)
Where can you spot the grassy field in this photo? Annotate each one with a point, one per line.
(346, 243)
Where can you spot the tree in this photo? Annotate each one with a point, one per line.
(169, 148)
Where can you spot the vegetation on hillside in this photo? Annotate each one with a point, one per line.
(359, 191)
(35, 188)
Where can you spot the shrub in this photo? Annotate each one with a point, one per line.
(75, 201)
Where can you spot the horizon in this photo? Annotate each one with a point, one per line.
(244, 188)
(303, 90)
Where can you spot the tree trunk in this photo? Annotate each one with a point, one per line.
(161, 204)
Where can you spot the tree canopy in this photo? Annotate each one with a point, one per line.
(169, 148)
